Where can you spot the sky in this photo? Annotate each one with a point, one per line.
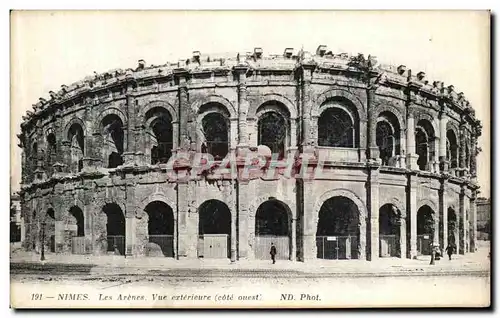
(49, 49)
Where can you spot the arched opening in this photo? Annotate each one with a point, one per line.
(389, 231)
(273, 127)
(160, 229)
(214, 230)
(452, 229)
(51, 153)
(452, 149)
(48, 237)
(215, 130)
(424, 140)
(338, 125)
(272, 225)
(160, 133)
(77, 147)
(76, 230)
(387, 138)
(113, 140)
(337, 235)
(425, 230)
(115, 229)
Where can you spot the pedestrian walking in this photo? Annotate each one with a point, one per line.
(449, 250)
(273, 253)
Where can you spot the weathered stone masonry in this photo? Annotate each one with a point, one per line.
(398, 153)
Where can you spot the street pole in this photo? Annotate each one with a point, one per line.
(42, 257)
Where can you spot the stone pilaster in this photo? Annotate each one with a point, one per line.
(462, 226)
(309, 223)
(473, 157)
(243, 211)
(442, 142)
(129, 151)
(373, 210)
(233, 235)
(372, 125)
(130, 235)
(293, 252)
(461, 154)
(184, 111)
(243, 106)
(58, 236)
(402, 235)
(443, 214)
(412, 214)
(308, 126)
(473, 212)
(411, 156)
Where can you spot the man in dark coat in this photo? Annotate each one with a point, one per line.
(449, 250)
(273, 253)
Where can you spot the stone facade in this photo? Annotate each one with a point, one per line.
(93, 154)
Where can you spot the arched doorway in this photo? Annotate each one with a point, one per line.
(49, 237)
(115, 229)
(389, 231)
(160, 229)
(337, 236)
(452, 229)
(76, 231)
(272, 225)
(214, 230)
(425, 230)
(113, 140)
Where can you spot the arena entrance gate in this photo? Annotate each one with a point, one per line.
(425, 230)
(160, 229)
(272, 226)
(389, 229)
(337, 236)
(115, 229)
(214, 228)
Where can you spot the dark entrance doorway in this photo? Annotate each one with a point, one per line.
(272, 225)
(214, 228)
(337, 236)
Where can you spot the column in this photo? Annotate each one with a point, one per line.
(442, 142)
(411, 156)
(183, 98)
(185, 238)
(473, 211)
(233, 142)
(462, 223)
(293, 252)
(402, 235)
(307, 105)
(233, 236)
(473, 155)
(443, 211)
(412, 197)
(461, 154)
(23, 231)
(372, 126)
(58, 236)
(243, 106)
(309, 223)
(130, 228)
(373, 185)
(293, 134)
(243, 210)
(129, 153)
(87, 229)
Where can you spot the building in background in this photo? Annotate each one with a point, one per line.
(484, 218)
(16, 220)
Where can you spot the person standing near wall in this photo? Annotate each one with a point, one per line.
(273, 253)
